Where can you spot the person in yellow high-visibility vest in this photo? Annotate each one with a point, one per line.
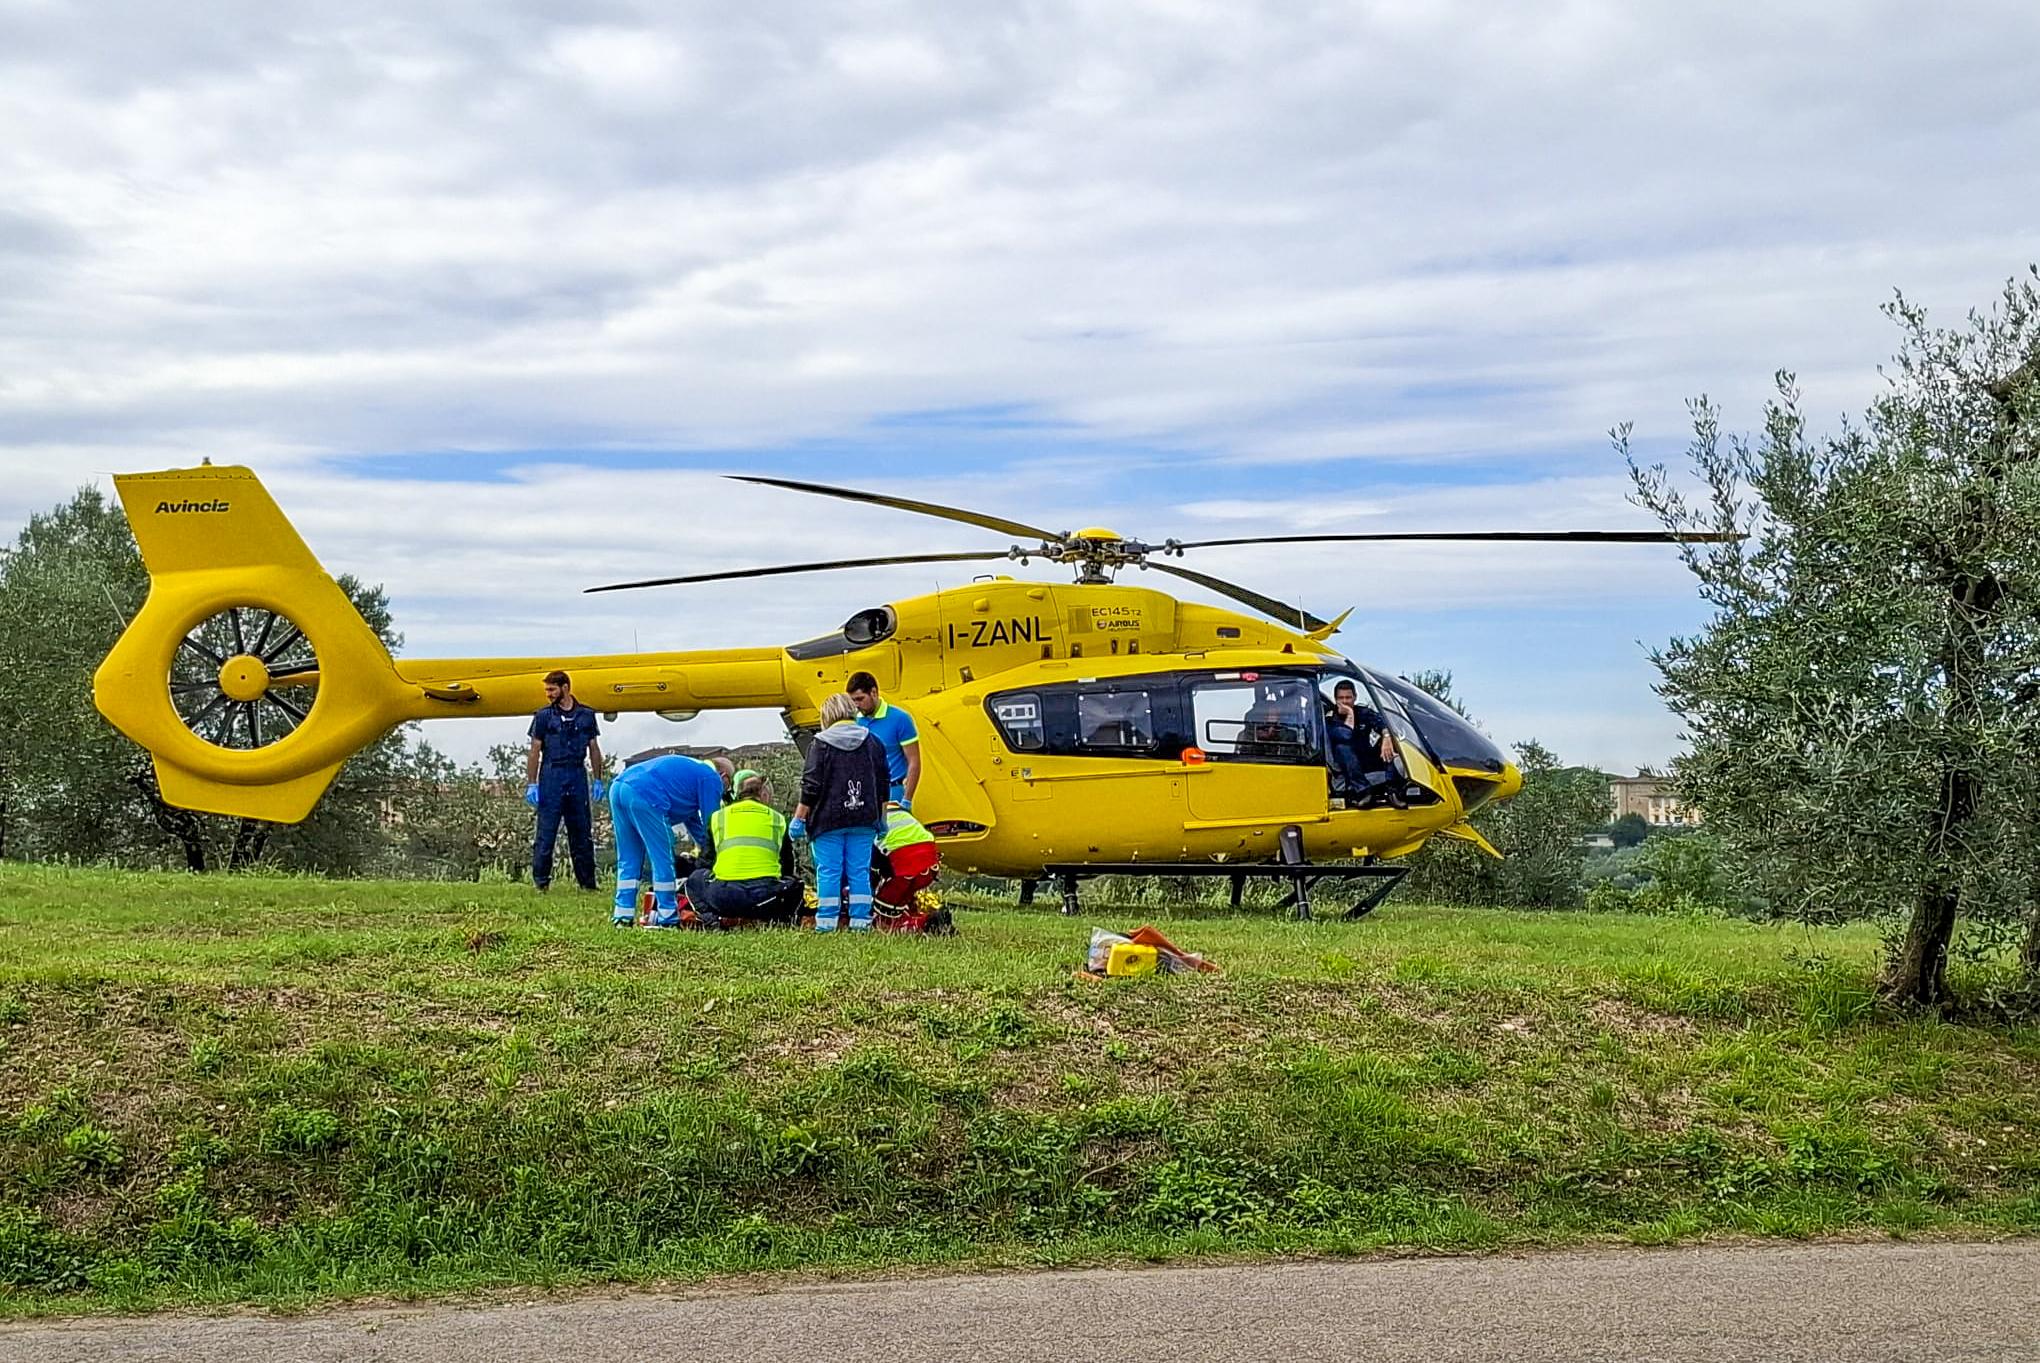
(904, 860)
(753, 876)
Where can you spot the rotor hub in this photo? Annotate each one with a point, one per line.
(244, 678)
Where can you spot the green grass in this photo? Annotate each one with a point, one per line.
(227, 1089)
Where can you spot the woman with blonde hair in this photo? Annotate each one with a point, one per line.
(842, 807)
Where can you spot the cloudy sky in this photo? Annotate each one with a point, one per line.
(491, 294)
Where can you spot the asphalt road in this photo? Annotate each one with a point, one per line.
(1823, 1304)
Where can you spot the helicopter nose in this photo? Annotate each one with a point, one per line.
(1511, 781)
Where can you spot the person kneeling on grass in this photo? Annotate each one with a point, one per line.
(904, 860)
(753, 877)
(842, 805)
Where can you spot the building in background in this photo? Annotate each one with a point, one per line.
(1652, 797)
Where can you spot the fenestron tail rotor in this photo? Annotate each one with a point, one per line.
(244, 678)
(1097, 554)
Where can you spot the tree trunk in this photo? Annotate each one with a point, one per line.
(1918, 973)
(250, 838)
(2029, 954)
(181, 824)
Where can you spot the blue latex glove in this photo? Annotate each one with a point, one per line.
(531, 795)
(797, 829)
(599, 789)
(906, 805)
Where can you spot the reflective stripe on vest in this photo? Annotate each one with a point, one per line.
(747, 838)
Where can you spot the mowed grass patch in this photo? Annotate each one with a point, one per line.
(227, 1088)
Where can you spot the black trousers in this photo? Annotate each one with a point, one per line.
(769, 899)
(564, 799)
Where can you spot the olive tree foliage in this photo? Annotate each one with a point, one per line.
(1865, 741)
(470, 822)
(72, 788)
(68, 782)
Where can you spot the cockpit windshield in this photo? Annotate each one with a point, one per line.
(1452, 741)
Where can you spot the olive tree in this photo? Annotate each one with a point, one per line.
(69, 784)
(72, 788)
(1861, 705)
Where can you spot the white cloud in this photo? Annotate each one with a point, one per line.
(1300, 248)
(633, 69)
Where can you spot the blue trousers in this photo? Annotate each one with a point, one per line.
(1345, 761)
(563, 798)
(644, 842)
(1359, 772)
(843, 875)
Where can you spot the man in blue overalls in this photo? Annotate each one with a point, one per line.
(647, 802)
(564, 751)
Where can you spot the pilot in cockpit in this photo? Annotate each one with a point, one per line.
(1362, 751)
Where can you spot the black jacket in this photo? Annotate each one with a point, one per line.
(845, 781)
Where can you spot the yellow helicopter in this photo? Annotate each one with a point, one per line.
(1067, 729)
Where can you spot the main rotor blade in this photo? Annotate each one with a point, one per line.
(1267, 605)
(801, 568)
(1515, 536)
(947, 513)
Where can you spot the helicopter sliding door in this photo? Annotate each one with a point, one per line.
(1089, 768)
(1263, 741)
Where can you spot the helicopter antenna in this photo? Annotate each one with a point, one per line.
(118, 613)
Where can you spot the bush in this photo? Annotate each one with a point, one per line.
(1629, 830)
(1671, 873)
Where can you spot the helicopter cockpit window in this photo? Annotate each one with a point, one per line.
(1118, 720)
(1270, 719)
(1019, 719)
(861, 630)
(1451, 740)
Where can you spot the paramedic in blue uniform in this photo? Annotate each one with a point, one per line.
(564, 755)
(893, 727)
(647, 801)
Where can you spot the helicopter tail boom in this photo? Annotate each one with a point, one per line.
(250, 677)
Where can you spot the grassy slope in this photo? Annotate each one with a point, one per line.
(231, 1088)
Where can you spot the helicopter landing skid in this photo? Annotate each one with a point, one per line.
(1301, 876)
